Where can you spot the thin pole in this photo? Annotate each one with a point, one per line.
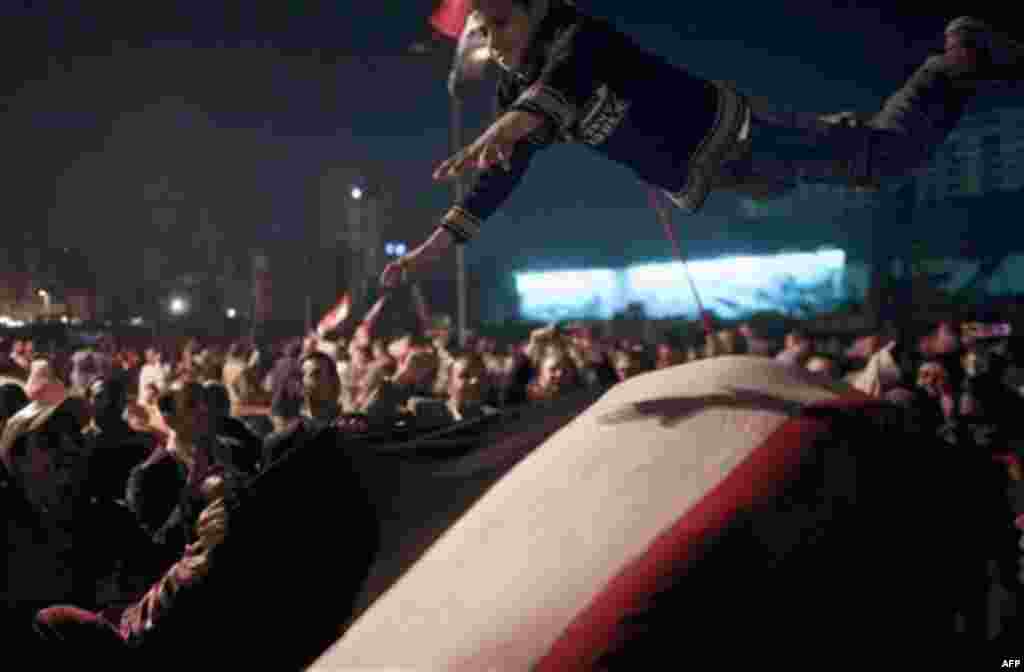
(665, 217)
(460, 250)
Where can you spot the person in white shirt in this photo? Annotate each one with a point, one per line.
(153, 372)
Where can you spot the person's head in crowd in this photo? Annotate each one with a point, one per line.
(108, 399)
(986, 357)
(418, 368)
(154, 356)
(12, 400)
(138, 418)
(556, 373)
(218, 401)
(440, 334)
(286, 403)
(184, 411)
(668, 354)
(42, 449)
(85, 370)
(797, 340)
(360, 355)
(627, 364)
(43, 384)
(718, 343)
(467, 380)
(249, 387)
(486, 345)
(150, 393)
(399, 346)
(934, 379)
(797, 348)
(293, 349)
(943, 340)
(823, 364)
(238, 351)
(864, 348)
(320, 383)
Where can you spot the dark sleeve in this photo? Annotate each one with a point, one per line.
(567, 80)
(152, 493)
(493, 186)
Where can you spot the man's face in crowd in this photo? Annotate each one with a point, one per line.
(932, 378)
(821, 365)
(419, 366)
(554, 373)
(626, 366)
(318, 381)
(467, 382)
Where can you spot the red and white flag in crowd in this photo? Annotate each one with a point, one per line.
(335, 316)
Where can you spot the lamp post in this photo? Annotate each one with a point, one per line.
(47, 302)
(478, 55)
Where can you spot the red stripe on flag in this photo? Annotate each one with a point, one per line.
(761, 475)
(450, 18)
(336, 315)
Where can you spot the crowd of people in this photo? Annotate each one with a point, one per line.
(118, 465)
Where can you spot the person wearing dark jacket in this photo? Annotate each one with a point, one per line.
(114, 447)
(164, 491)
(567, 76)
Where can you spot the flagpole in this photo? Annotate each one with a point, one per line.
(461, 288)
(664, 216)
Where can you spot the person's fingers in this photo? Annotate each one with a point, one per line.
(441, 172)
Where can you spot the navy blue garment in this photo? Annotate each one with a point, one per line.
(595, 86)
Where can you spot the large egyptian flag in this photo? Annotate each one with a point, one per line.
(722, 508)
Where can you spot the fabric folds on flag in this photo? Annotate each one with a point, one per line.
(335, 316)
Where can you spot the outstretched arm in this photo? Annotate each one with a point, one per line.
(462, 222)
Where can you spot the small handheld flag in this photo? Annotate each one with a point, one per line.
(335, 316)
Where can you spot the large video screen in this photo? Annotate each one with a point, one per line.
(732, 287)
(568, 295)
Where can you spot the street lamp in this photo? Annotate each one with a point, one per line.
(395, 249)
(231, 313)
(179, 306)
(47, 299)
(357, 193)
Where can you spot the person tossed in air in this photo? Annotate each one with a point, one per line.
(566, 76)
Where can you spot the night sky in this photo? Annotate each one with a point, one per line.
(245, 104)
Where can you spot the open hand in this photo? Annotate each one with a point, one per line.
(489, 149)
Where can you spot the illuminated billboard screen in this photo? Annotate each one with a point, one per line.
(736, 286)
(732, 287)
(568, 295)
